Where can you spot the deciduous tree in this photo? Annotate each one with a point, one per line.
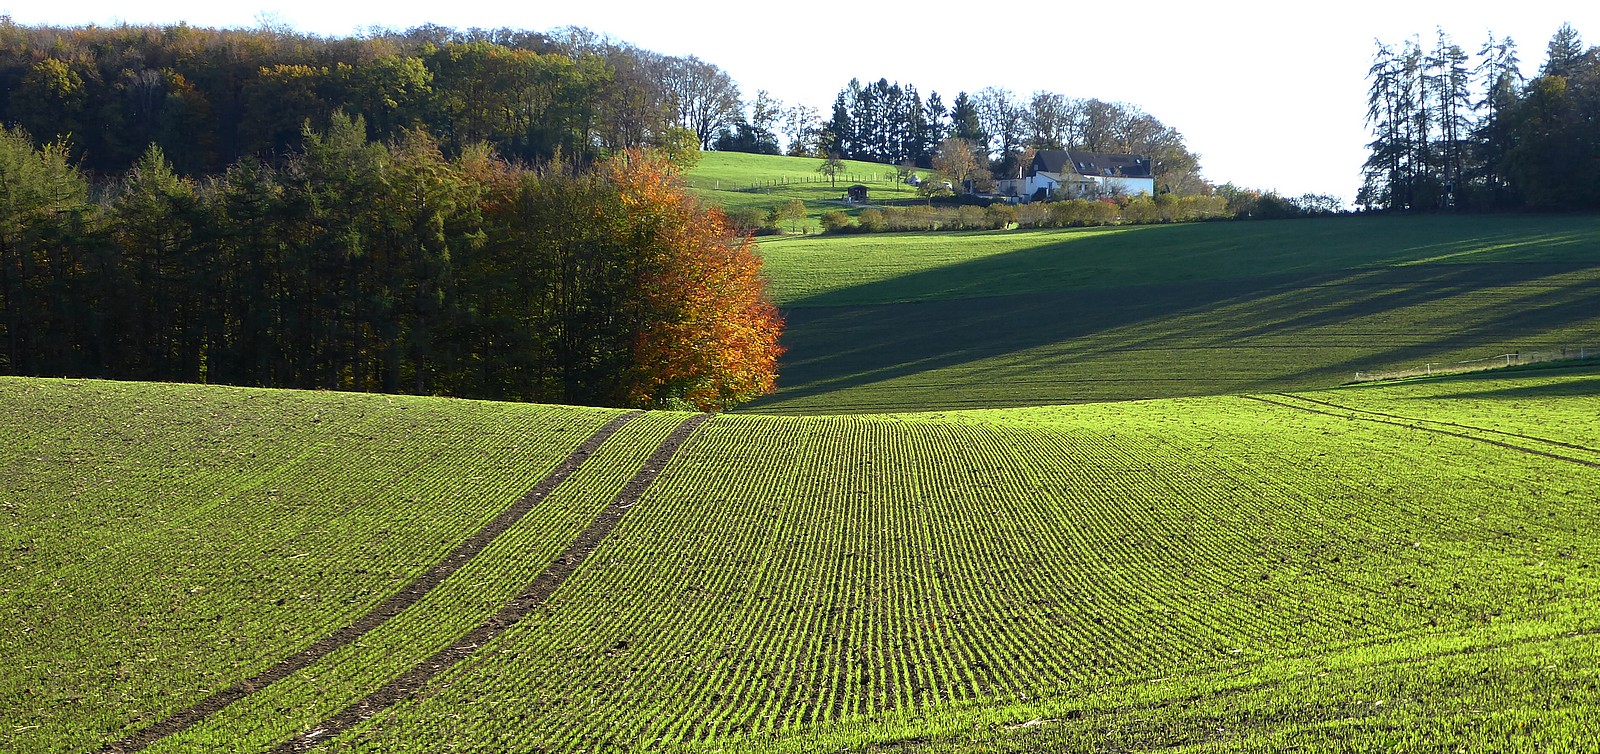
(831, 166)
(711, 335)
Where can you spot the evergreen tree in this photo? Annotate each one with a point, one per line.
(839, 135)
(42, 203)
(1563, 53)
(1450, 84)
(1382, 174)
(964, 121)
(934, 132)
(154, 222)
(1500, 79)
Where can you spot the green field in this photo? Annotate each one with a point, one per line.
(1408, 566)
(735, 179)
(929, 321)
(1256, 559)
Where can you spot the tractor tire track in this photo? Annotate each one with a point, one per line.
(1501, 432)
(1409, 425)
(409, 595)
(407, 684)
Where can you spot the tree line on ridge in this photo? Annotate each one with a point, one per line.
(1451, 134)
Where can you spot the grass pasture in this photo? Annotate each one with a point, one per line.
(901, 322)
(735, 179)
(1385, 566)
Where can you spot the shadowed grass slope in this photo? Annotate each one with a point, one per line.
(938, 321)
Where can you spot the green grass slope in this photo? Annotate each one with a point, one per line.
(1407, 565)
(736, 179)
(993, 319)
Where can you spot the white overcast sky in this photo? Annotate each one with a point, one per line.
(1271, 95)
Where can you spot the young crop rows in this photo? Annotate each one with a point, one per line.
(170, 547)
(795, 575)
(1151, 569)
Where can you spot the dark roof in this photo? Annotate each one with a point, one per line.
(858, 186)
(1092, 163)
(1050, 160)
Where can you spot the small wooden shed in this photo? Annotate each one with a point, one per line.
(857, 193)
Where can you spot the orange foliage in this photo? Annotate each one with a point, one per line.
(710, 334)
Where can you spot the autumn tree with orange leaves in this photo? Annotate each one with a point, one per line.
(709, 334)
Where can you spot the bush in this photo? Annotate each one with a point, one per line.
(1082, 213)
(834, 221)
(969, 217)
(872, 221)
(919, 218)
(748, 220)
(1033, 215)
(1140, 210)
(1000, 216)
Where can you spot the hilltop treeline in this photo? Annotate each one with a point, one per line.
(893, 123)
(1451, 133)
(356, 264)
(208, 97)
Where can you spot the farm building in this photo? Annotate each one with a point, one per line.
(857, 193)
(1064, 174)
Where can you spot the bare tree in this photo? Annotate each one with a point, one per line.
(800, 126)
(766, 111)
(702, 97)
(1049, 121)
(1002, 118)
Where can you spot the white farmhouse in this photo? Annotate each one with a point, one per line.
(1065, 174)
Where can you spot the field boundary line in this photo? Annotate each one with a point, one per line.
(1446, 432)
(1472, 427)
(407, 684)
(408, 595)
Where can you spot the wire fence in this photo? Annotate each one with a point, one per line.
(846, 179)
(1499, 361)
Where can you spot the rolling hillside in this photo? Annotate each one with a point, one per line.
(734, 179)
(1374, 567)
(902, 322)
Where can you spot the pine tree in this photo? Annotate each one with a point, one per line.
(964, 121)
(1564, 52)
(1382, 173)
(1451, 86)
(1500, 78)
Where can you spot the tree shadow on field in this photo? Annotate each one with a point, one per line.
(1286, 331)
(1576, 380)
(1540, 308)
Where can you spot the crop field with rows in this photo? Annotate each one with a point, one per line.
(164, 542)
(838, 582)
(1382, 566)
(904, 322)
